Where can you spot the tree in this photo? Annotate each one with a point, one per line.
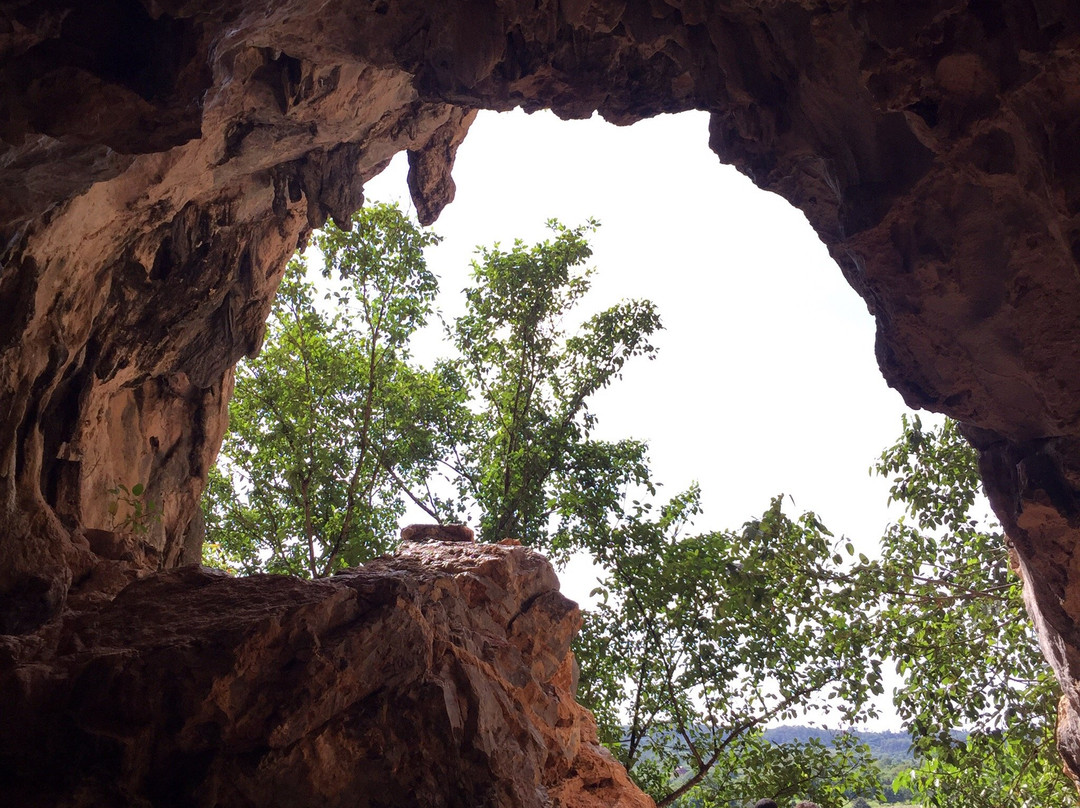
(332, 427)
(945, 604)
(978, 699)
(331, 424)
(526, 461)
(700, 641)
(694, 640)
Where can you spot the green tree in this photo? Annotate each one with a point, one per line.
(700, 641)
(945, 603)
(978, 698)
(330, 425)
(526, 462)
(892, 768)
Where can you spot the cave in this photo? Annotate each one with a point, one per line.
(160, 160)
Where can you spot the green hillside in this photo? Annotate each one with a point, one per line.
(884, 745)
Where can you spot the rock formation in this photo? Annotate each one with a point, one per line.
(191, 688)
(159, 160)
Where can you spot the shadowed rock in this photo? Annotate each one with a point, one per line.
(423, 533)
(439, 677)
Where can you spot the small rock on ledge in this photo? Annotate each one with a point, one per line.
(423, 533)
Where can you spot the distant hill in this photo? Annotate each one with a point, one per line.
(882, 744)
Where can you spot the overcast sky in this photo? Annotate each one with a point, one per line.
(765, 382)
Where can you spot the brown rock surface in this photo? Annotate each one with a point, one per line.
(422, 533)
(159, 160)
(191, 688)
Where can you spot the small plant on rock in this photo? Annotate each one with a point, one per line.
(139, 511)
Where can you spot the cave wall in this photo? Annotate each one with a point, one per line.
(160, 160)
(158, 171)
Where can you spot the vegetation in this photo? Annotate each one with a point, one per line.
(891, 751)
(523, 460)
(700, 640)
(952, 616)
(978, 700)
(331, 421)
(131, 510)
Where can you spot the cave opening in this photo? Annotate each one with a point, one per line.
(765, 379)
(161, 161)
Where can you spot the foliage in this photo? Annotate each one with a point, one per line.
(138, 511)
(891, 751)
(978, 699)
(811, 770)
(701, 640)
(952, 617)
(892, 770)
(214, 554)
(526, 459)
(330, 424)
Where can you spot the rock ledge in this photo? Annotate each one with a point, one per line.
(441, 676)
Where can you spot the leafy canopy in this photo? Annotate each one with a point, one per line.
(331, 422)
(951, 615)
(700, 641)
(526, 459)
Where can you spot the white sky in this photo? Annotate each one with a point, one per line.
(766, 380)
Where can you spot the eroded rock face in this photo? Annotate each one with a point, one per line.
(159, 167)
(439, 677)
(159, 160)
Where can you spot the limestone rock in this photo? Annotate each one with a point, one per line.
(438, 677)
